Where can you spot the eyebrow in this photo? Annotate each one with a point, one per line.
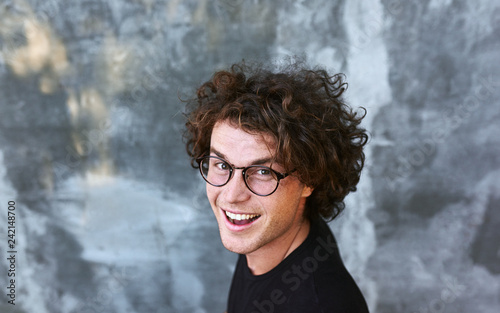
(255, 162)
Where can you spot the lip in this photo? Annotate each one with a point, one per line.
(236, 228)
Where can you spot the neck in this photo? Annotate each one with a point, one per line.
(269, 256)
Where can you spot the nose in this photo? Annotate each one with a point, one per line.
(235, 190)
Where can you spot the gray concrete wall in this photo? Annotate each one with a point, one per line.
(111, 218)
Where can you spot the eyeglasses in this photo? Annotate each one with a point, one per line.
(261, 180)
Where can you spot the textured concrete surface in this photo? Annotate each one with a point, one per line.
(111, 218)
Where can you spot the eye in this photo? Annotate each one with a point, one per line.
(223, 166)
(263, 172)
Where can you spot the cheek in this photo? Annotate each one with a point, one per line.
(289, 199)
(211, 194)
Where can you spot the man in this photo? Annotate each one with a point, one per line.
(279, 152)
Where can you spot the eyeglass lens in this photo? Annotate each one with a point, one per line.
(261, 180)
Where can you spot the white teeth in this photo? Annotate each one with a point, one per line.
(240, 217)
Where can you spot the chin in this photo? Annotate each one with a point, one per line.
(234, 249)
(235, 245)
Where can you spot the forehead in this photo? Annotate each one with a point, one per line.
(239, 146)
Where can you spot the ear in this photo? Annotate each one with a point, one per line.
(307, 191)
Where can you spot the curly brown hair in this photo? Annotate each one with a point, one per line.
(317, 134)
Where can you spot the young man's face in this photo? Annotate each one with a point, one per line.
(279, 214)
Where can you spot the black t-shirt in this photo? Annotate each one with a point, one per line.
(311, 279)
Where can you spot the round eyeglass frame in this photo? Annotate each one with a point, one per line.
(279, 175)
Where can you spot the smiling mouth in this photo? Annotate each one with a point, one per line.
(241, 219)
